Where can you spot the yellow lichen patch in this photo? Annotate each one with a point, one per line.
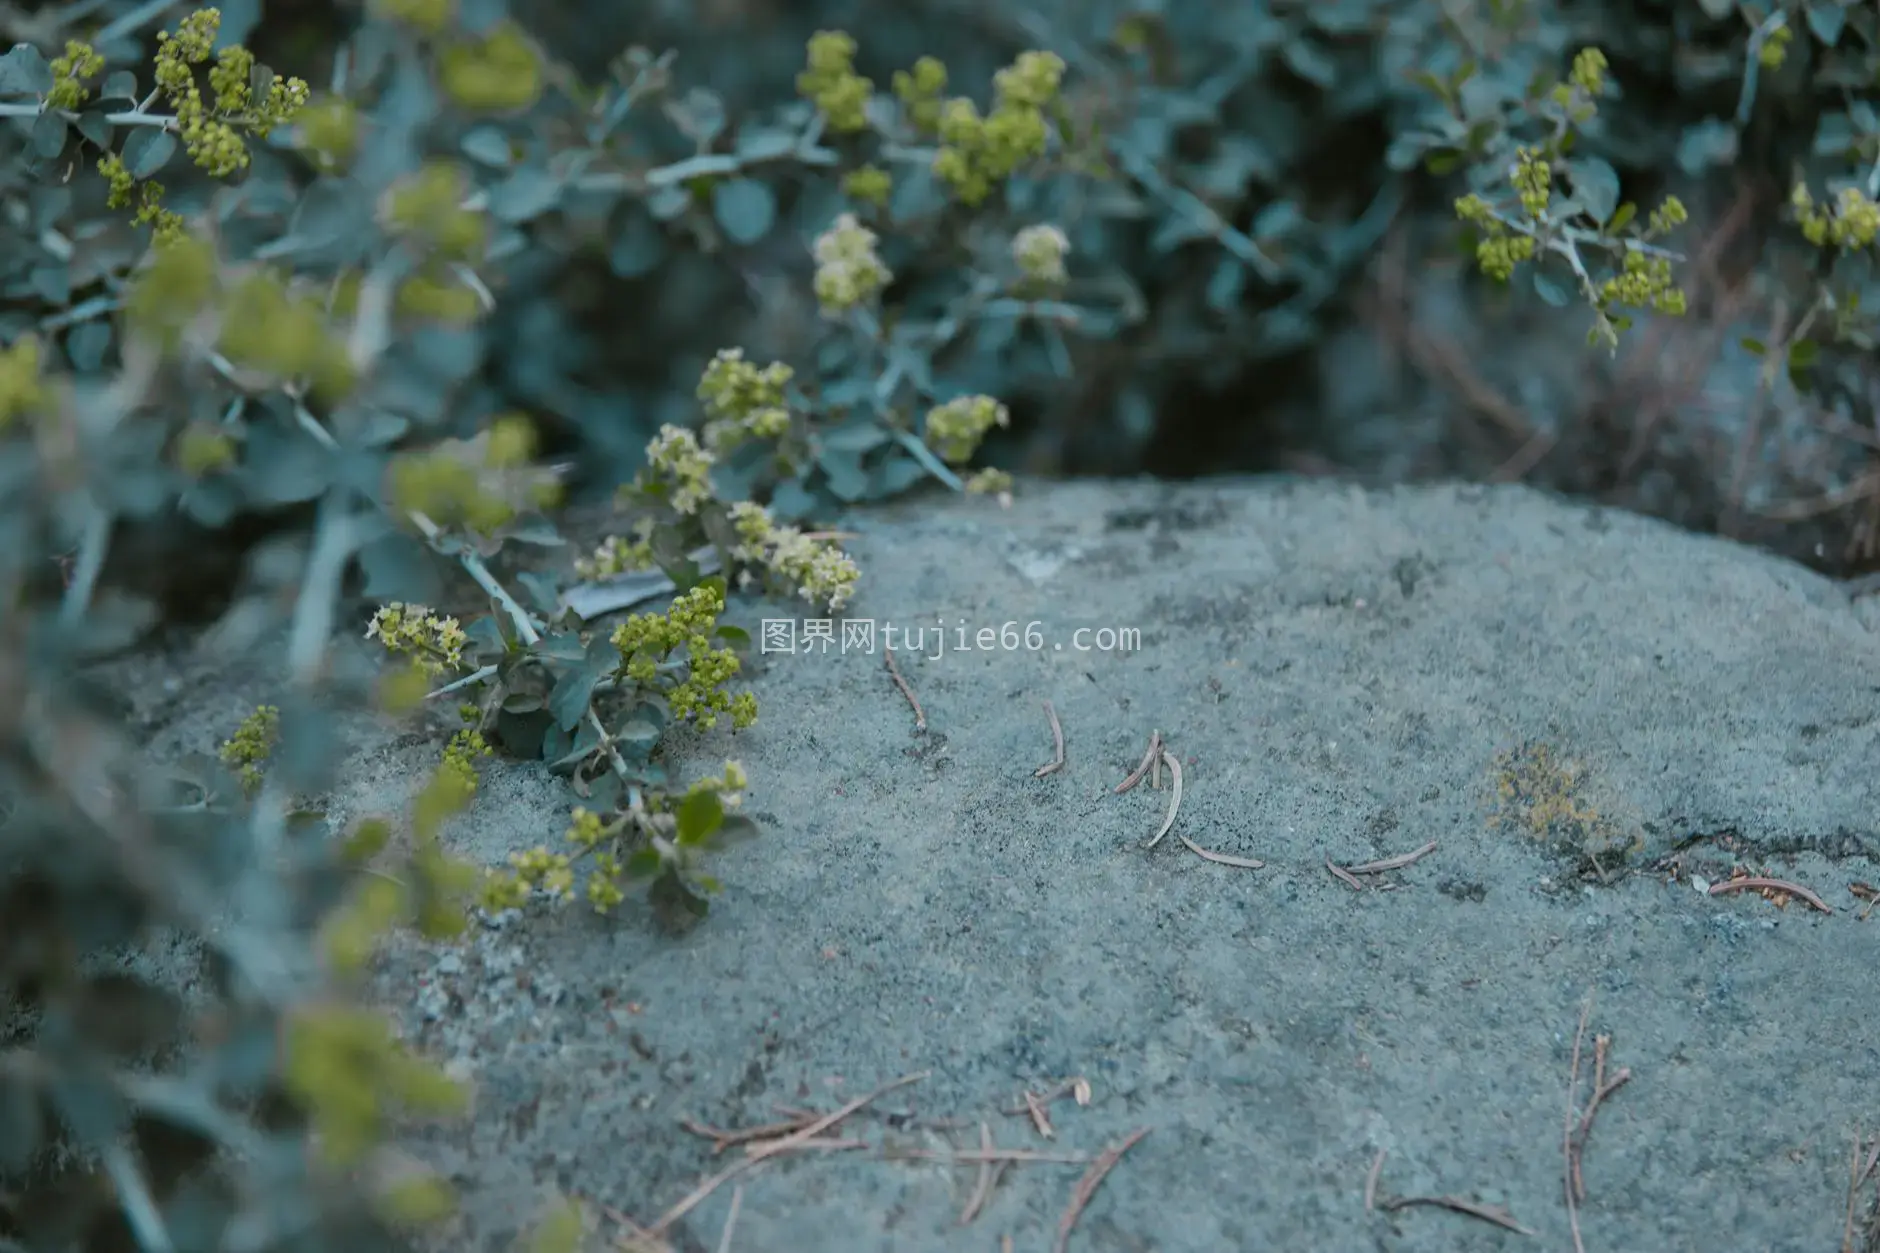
(1547, 797)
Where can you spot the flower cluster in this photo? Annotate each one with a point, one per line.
(618, 555)
(496, 73)
(1850, 222)
(818, 571)
(956, 428)
(743, 401)
(1644, 282)
(208, 137)
(1586, 82)
(69, 73)
(603, 839)
(211, 134)
(265, 327)
(428, 208)
(460, 761)
(832, 84)
(675, 461)
(1039, 253)
(202, 448)
(977, 153)
(435, 644)
(1499, 250)
(252, 744)
(21, 391)
(646, 641)
(921, 91)
(848, 270)
(869, 184)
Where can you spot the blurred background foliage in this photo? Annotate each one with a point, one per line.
(1302, 304)
(1286, 291)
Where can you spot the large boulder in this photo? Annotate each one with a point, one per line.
(1596, 719)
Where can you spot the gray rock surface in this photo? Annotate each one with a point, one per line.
(1592, 716)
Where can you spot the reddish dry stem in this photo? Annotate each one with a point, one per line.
(1394, 863)
(1487, 1213)
(1057, 736)
(894, 672)
(1774, 885)
(1087, 1186)
(1345, 875)
(1148, 759)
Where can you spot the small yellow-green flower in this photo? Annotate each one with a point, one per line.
(869, 184)
(1850, 222)
(433, 642)
(252, 744)
(1775, 49)
(977, 153)
(832, 84)
(920, 91)
(1533, 180)
(675, 459)
(69, 73)
(1039, 252)
(956, 428)
(21, 391)
(816, 570)
(848, 270)
(1645, 282)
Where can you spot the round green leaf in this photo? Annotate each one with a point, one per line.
(1550, 291)
(148, 150)
(486, 145)
(24, 71)
(49, 135)
(745, 208)
(1596, 185)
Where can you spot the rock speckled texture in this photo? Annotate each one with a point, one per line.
(1590, 714)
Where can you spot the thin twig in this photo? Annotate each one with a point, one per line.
(1856, 1176)
(1057, 735)
(796, 1138)
(1487, 1213)
(1566, 1133)
(1774, 885)
(1345, 875)
(638, 1237)
(1142, 767)
(988, 1174)
(1866, 892)
(761, 1153)
(1601, 1090)
(1853, 1195)
(983, 1155)
(1087, 1186)
(894, 672)
(698, 1195)
(1035, 1108)
(1078, 1089)
(1174, 801)
(724, 1139)
(731, 1219)
(1394, 863)
(1221, 859)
